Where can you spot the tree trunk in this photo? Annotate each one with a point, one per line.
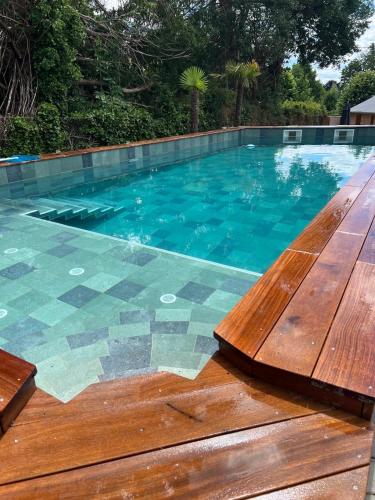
(239, 104)
(194, 110)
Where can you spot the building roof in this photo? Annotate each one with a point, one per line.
(365, 106)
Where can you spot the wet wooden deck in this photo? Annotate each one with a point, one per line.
(224, 435)
(307, 324)
(311, 317)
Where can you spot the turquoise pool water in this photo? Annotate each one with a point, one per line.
(240, 207)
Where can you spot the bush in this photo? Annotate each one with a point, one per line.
(48, 122)
(111, 121)
(303, 112)
(21, 137)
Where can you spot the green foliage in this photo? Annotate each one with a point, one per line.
(193, 78)
(303, 112)
(111, 121)
(48, 121)
(58, 35)
(330, 99)
(22, 137)
(245, 73)
(359, 88)
(307, 87)
(365, 62)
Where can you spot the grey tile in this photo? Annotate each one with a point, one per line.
(87, 338)
(87, 160)
(22, 343)
(140, 316)
(140, 258)
(206, 345)
(236, 285)
(16, 271)
(14, 173)
(125, 290)
(61, 250)
(78, 296)
(24, 326)
(177, 327)
(63, 237)
(195, 292)
(121, 373)
(130, 353)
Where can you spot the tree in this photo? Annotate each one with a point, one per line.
(359, 88)
(365, 62)
(244, 75)
(194, 80)
(308, 87)
(330, 99)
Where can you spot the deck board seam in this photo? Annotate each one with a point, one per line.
(168, 446)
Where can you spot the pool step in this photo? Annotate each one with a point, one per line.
(17, 385)
(65, 209)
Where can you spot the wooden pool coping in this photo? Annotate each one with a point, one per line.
(311, 317)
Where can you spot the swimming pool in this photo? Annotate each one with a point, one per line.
(240, 207)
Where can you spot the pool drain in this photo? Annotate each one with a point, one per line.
(10, 250)
(77, 271)
(3, 313)
(168, 298)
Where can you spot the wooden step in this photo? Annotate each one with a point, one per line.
(312, 314)
(17, 384)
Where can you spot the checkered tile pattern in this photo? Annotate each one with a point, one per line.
(107, 322)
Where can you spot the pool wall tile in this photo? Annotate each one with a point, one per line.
(57, 173)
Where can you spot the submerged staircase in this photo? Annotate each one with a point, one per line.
(64, 209)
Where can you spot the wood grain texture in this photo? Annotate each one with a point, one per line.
(348, 357)
(250, 321)
(364, 174)
(314, 238)
(360, 216)
(297, 338)
(16, 387)
(109, 421)
(234, 465)
(350, 485)
(368, 251)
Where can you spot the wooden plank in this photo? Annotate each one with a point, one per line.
(250, 321)
(160, 417)
(349, 485)
(234, 465)
(360, 216)
(364, 174)
(348, 357)
(16, 387)
(314, 238)
(368, 251)
(297, 339)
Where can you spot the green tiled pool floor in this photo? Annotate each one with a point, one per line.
(86, 307)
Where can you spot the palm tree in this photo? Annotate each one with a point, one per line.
(245, 75)
(195, 81)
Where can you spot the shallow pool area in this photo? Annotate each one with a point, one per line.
(240, 207)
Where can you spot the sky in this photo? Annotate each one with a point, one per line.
(325, 74)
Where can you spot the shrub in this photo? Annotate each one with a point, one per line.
(49, 124)
(303, 112)
(359, 88)
(22, 137)
(111, 121)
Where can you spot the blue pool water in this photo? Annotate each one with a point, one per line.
(240, 207)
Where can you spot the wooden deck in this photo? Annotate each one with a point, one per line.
(309, 324)
(312, 315)
(224, 435)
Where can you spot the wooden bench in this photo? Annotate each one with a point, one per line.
(17, 384)
(309, 322)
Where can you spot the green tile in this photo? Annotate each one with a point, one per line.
(167, 314)
(206, 315)
(53, 312)
(187, 360)
(198, 328)
(182, 372)
(222, 300)
(132, 330)
(101, 282)
(46, 351)
(12, 290)
(170, 342)
(30, 301)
